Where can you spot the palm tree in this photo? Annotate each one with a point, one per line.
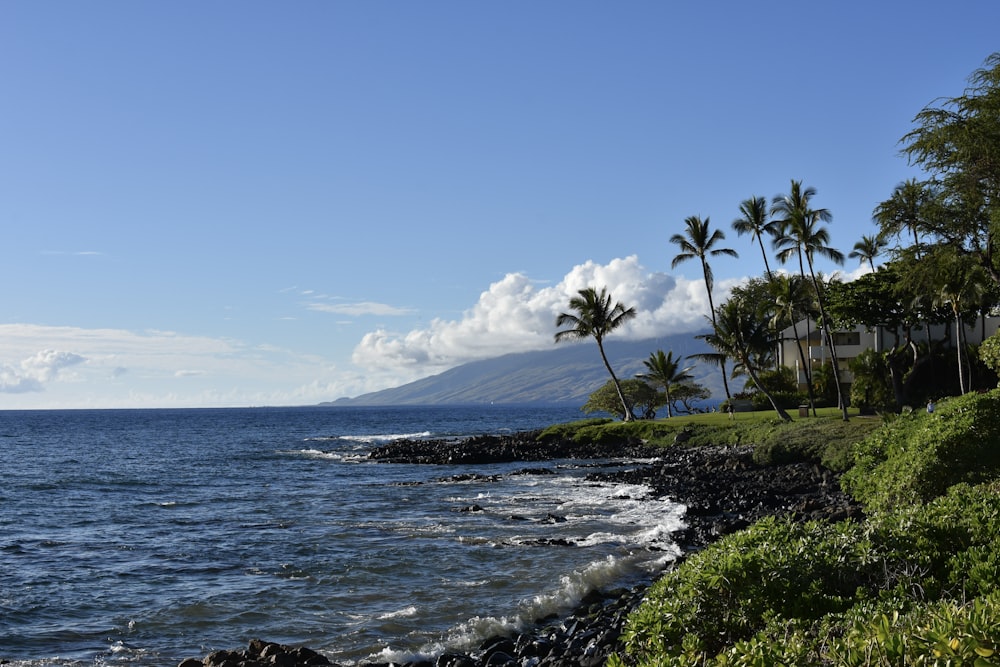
(740, 334)
(595, 318)
(698, 243)
(665, 370)
(802, 235)
(867, 249)
(791, 302)
(910, 208)
(755, 222)
(961, 283)
(906, 209)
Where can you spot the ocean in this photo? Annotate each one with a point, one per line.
(148, 536)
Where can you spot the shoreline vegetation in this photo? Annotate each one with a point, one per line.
(810, 542)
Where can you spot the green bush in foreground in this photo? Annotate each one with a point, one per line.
(917, 456)
(912, 586)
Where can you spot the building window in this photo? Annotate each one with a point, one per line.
(847, 338)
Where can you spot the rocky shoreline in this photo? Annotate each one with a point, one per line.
(722, 487)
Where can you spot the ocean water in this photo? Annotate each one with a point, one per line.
(147, 536)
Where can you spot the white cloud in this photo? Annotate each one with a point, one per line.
(12, 381)
(45, 365)
(117, 368)
(358, 309)
(56, 367)
(514, 315)
(35, 371)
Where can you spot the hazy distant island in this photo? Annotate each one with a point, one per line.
(562, 375)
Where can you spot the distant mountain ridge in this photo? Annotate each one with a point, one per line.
(566, 374)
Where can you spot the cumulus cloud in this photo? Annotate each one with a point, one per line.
(35, 371)
(516, 315)
(13, 381)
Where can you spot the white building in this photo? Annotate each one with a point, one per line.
(851, 343)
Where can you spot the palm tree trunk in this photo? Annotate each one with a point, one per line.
(618, 385)
(827, 330)
(782, 414)
(711, 309)
(805, 367)
(767, 267)
(958, 348)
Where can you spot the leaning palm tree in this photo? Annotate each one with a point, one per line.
(596, 317)
(664, 369)
(803, 236)
(791, 302)
(698, 243)
(740, 334)
(867, 249)
(754, 221)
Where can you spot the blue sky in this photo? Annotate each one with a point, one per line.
(262, 203)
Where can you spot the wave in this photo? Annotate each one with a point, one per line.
(405, 612)
(573, 587)
(371, 438)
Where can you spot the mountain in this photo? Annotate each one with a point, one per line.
(565, 374)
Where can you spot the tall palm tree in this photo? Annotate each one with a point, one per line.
(595, 318)
(867, 249)
(792, 301)
(910, 208)
(699, 243)
(803, 236)
(755, 222)
(740, 334)
(664, 369)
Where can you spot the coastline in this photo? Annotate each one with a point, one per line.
(722, 487)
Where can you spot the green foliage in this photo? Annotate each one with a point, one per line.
(780, 384)
(916, 583)
(825, 385)
(785, 399)
(779, 379)
(640, 395)
(918, 456)
(944, 633)
(989, 353)
(913, 586)
(727, 592)
(687, 394)
(568, 430)
(825, 441)
(871, 390)
(664, 370)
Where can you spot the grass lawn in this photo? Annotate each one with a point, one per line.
(824, 439)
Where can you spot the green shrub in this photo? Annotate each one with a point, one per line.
(871, 389)
(989, 353)
(918, 456)
(828, 442)
(727, 592)
(913, 586)
(942, 633)
(789, 400)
